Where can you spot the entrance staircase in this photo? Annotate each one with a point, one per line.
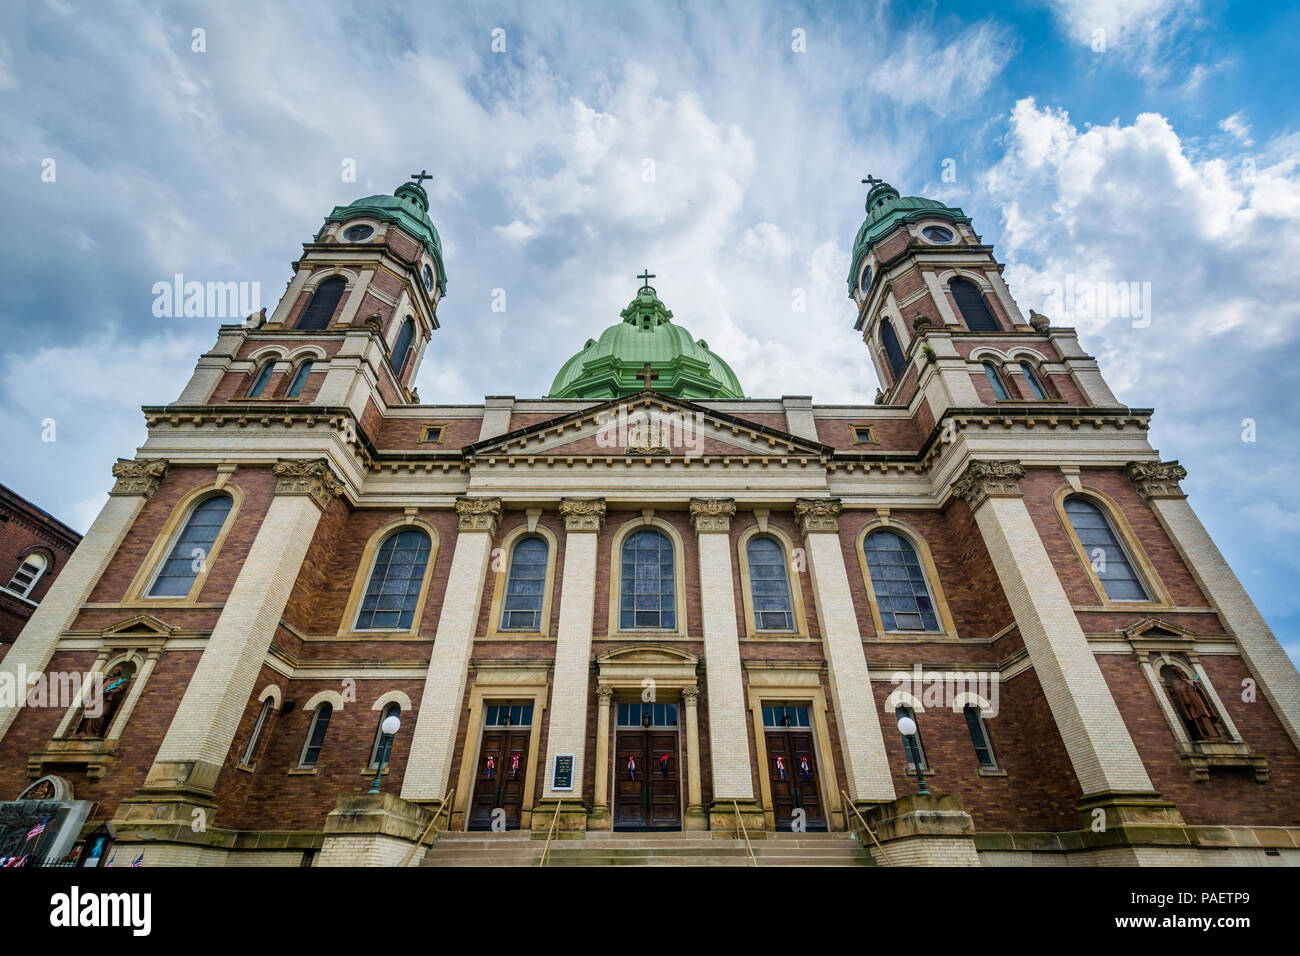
(516, 848)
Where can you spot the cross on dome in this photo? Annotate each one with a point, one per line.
(645, 277)
(420, 177)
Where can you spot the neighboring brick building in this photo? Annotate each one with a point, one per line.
(34, 546)
(656, 600)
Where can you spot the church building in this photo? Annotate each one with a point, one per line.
(323, 622)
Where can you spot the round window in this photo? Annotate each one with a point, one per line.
(427, 275)
(865, 282)
(937, 234)
(358, 233)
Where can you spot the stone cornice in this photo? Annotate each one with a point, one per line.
(139, 477)
(712, 514)
(985, 479)
(479, 514)
(817, 514)
(583, 514)
(1156, 479)
(312, 477)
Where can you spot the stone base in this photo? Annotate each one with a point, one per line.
(572, 823)
(598, 819)
(374, 829)
(722, 819)
(1131, 819)
(697, 818)
(920, 830)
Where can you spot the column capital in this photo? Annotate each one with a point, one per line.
(1156, 479)
(479, 514)
(141, 476)
(712, 514)
(988, 479)
(604, 694)
(307, 476)
(582, 514)
(691, 696)
(817, 514)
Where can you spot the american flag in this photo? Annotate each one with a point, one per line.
(36, 830)
(138, 860)
(111, 859)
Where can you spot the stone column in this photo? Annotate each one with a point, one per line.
(1096, 739)
(203, 728)
(1272, 669)
(865, 763)
(599, 817)
(31, 652)
(728, 732)
(696, 818)
(434, 739)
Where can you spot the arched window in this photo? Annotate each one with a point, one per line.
(648, 598)
(893, 352)
(251, 750)
(299, 380)
(902, 596)
(1104, 552)
(525, 586)
(970, 301)
(395, 582)
(261, 379)
(320, 723)
(1031, 381)
(979, 737)
(995, 379)
(912, 746)
(392, 710)
(769, 584)
(402, 347)
(189, 554)
(323, 302)
(28, 573)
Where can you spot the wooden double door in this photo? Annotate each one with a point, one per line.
(499, 780)
(647, 779)
(792, 772)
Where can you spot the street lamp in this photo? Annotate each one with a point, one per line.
(389, 729)
(907, 727)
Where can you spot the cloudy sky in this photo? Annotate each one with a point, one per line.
(1138, 141)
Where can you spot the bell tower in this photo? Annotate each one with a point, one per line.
(939, 320)
(354, 321)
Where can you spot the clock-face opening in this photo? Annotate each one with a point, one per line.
(358, 233)
(865, 282)
(938, 234)
(427, 275)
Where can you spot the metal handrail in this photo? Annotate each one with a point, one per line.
(740, 825)
(848, 805)
(550, 831)
(437, 813)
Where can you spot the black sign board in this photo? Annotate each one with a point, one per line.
(562, 773)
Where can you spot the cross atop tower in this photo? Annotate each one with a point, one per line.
(647, 375)
(872, 181)
(421, 176)
(645, 277)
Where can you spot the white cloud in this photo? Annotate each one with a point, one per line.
(943, 78)
(1236, 126)
(1141, 32)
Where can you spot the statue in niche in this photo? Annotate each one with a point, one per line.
(1193, 706)
(116, 683)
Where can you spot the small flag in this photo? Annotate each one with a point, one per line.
(804, 770)
(138, 860)
(631, 766)
(514, 765)
(491, 769)
(6, 861)
(780, 767)
(111, 859)
(23, 861)
(663, 765)
(36, 830)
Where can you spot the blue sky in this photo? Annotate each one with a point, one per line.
(1162, 149)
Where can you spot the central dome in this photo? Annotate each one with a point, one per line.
(613, 365)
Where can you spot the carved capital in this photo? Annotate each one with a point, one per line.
(139, 477)
(988, 479)
(583, 514)
(1156, 479)
(690, 696)
(479, 514)
(817, 514)
(712, 514)
(604, 694)
(310, 476)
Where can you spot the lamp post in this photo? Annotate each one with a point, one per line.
(389, 729)
(907, 727)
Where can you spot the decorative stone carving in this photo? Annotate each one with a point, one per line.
(989, 479)
(1156, 479)
(817, 514)
(479, 514)
(604, 694)
(139, 477)
(583, 514)
(690, 696)
(1040, 322)
(307, 476)
(712, 514)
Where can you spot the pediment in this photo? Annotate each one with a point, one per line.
(648, 425)
(643, 653)
(142, 625)
(1154, 629)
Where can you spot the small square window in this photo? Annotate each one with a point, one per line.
(432, 434)
(864, 435)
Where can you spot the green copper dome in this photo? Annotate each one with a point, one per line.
(407, 208)
(886, 210)
(612, 366)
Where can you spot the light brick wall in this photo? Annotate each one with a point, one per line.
(728, 732)
(372, 849)
(568, 730)
(434, 739)
(1095, 737)
(866, 765)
